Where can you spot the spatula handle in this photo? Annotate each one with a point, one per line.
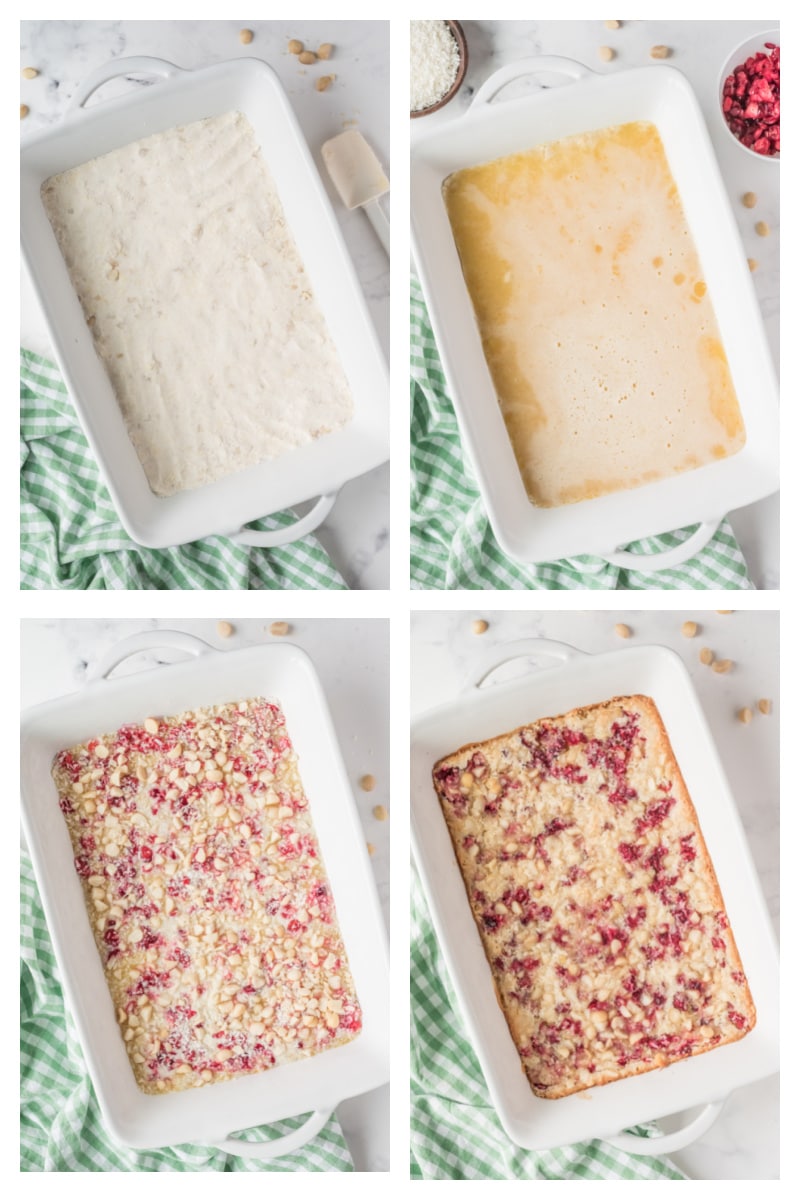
(379, 221)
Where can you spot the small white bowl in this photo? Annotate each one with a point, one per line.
(745, 50)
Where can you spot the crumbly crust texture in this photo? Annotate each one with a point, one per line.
(201, 309)
(207, 895)
(594, 896)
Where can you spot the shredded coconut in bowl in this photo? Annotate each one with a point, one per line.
(434, 63)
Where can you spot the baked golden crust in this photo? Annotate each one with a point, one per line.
(207, 895)
(594, 896)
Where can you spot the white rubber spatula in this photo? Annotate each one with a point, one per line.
(358, 178)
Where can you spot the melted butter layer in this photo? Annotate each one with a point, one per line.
(593, 313)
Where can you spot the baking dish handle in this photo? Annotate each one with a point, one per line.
(155, 639)
(278, 1146)
(665, 559)
(137, 64)
(287, 533)
(668, 1143)
(496, 656)
(543, 64)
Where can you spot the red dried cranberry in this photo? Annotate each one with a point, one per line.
(751, 101)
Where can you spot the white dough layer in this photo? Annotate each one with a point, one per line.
(199, 304)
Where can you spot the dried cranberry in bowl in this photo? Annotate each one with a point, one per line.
(751, 103)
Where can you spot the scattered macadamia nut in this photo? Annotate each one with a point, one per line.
(324, 82)
(29, 72)
(370, 849)
(722, 666)
(246, 36)
(762, 228)
(150, 725)
(724, 612)
(623, 631)
(605, 54)
(307, 57)
(765, 707)
(379, 812)
(295, 47)
(689, 629)
(612, 24)
(367, 783)
(224, 629)
(480, 626)
(745, 715)
(752, 264)
(325, 50)
(23, 111)
(660, 52)
(706, 656)
(279, 628)
(749, 199)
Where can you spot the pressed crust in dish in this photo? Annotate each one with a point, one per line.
(594, 896)
(207, 895)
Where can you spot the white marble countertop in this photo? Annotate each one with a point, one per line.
(64, 52)
(743, 1144)
(352, 660)
(699, 50)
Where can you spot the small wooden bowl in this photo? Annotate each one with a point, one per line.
(463, 55)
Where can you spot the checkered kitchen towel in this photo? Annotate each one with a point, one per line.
(455, 1131)
(452, 544)
(60, 1124)
(71, 536)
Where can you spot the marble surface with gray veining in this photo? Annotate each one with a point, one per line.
(699, 49)
(743, 1143)
(351, 658)
(356, 534)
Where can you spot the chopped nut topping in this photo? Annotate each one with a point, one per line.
(217, 933)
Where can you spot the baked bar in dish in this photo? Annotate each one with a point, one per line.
(594, 896)
(207, 895)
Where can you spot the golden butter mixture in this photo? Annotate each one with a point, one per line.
(595, 319)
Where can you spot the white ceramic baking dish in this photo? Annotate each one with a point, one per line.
(585, 102)
(319, 469)
(315, 1085)
(580, 679)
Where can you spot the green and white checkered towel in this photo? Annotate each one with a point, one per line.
(71, 536)
(452, 544)
(455, 1131)
(60, 1124)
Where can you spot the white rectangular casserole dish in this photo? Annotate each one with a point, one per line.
(588, 102)
(318, 469)
(707, 1079)
(208, 1114)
